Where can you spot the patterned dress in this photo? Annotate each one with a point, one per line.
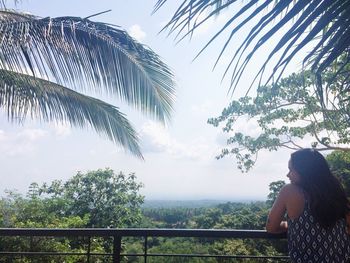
(308, 242)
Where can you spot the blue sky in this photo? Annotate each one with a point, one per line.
(179, 158)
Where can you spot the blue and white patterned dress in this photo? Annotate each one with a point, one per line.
(308, 242)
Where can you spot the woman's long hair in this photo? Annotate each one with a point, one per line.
(327, 199)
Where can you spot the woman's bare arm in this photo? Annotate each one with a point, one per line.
(275, 223)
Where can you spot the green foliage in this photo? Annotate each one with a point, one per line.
(339, 162)
(46, 209)
(178, 217)
(33, 212)
(107, 198)
(180, 246)
(274, 188)
(285, 113)
(228, 215)
(96, 199)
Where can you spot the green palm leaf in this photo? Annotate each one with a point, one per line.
(325, 23)
(40, 57)
(87, 55)
(22, 95)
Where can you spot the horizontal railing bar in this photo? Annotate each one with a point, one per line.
(52, 254)
(206, 256)
(142, 233)
(138, 255)
(132, 232)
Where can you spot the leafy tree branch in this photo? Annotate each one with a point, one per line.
(287, 114)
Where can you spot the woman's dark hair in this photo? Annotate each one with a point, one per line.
(327, 199)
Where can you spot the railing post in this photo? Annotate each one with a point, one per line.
(117, 247)
(145, 249)
(88, 249)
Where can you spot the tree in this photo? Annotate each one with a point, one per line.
(339, 162)
(97, 199)
(107, 198)
(31, 211)
(275, 188)
(320, 27)
(44, 62)
(287, 112)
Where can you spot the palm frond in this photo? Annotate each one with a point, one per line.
(329, 21)
(82, 54)
(22, 95)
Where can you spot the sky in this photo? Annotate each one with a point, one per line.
(179, 157)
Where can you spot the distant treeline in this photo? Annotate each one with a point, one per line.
(181, 203)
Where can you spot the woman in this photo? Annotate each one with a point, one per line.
(316, 207)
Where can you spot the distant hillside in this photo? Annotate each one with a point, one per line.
(181, 203)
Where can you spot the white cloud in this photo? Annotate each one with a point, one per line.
(207, 25)
(20, 143)
(155, 138)
(2, 135)
(246, 126)
(210, 23)
(20, 149)
(92, 152)
(31, 134)
(62, 129)
(203, 108)
(136, 32)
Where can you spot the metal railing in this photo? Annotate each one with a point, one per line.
(118, 234)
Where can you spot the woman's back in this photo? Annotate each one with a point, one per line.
(309, 242)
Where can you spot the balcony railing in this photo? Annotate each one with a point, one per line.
(118, 234)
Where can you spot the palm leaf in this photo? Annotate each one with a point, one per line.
(86, 55)
(330, 38)
(22, 95)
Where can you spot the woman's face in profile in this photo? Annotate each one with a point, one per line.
(293, 176)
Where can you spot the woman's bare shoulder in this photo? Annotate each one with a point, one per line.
(291, 190)
(294, 199)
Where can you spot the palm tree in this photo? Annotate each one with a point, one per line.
(325, 24)
(44, 62)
